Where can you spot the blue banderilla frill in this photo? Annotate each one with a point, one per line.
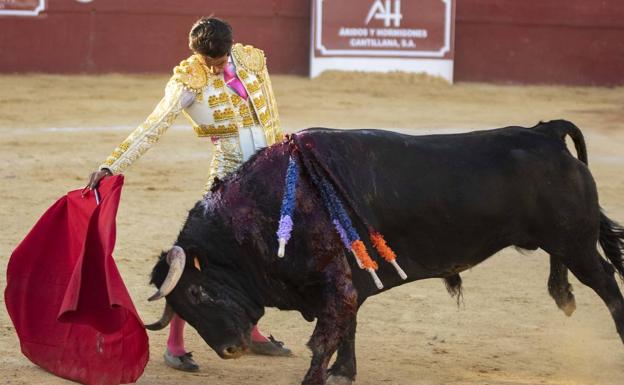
(338, 215)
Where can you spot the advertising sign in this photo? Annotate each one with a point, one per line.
(383, 35)
(21, 7)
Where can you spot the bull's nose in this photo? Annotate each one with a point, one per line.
(232, 352)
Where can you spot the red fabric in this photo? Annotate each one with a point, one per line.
(71, 310)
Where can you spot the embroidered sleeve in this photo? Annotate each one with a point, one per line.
(148, 133)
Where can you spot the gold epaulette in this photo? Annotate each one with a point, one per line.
(192, 74)
(249, 58)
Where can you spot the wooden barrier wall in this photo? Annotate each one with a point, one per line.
(147, 36)
(547, 41)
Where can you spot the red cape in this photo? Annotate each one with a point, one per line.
(71, 310)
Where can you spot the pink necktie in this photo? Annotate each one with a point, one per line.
(233, 82)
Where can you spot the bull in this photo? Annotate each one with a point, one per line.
(445, 203)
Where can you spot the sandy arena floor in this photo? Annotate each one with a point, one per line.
(54, 130)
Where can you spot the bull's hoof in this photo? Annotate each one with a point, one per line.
(566, 302)
(564, 298)
(338, 380)
(569, 307)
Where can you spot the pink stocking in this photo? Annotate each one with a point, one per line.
(256, 336)
(175, 342)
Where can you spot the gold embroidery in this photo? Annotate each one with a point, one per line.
(253, 87)
(218, 83)
(124, 145)
(259, 102)
(220, 130)
(226, 114)
(243, 109)
(226, 159)
(255, 118)
(150, 131)
(242, 74)
(251, 69)
(215, 100)
(248, 121)
(274, 132)
(236, 100)
(264, 117)
(192, 74)
(249, 58)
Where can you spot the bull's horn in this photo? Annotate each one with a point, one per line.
(176, 260)
(164, 320)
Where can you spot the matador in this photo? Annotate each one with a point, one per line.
(225, 92)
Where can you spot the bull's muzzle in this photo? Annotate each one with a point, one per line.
(176, 258)
(231, 352)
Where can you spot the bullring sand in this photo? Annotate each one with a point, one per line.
(54, 130)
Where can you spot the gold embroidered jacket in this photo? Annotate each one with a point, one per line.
(216, 111)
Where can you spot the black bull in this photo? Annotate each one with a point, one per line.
(443, 202)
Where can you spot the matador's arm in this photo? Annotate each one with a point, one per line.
(150, 131)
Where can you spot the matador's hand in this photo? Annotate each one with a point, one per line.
(97, 176)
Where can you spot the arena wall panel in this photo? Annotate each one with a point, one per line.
(146, 36)
(547, 41)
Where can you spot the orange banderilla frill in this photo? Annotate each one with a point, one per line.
(379, 243)
(326, 185)
(366, 262)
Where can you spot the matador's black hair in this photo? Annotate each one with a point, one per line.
(211, 36)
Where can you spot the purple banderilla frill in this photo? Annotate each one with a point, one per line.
(338, 215)
(288, 206)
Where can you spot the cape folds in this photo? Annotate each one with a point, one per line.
(70, 308)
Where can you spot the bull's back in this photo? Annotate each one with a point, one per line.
(460, 195)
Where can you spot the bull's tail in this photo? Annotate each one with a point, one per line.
(561, 128)
(611, 236)
(611, 240)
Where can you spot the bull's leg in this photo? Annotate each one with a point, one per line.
(323, 343)
(343, 370)
(335, 321)
(559, 287)
(596, 273)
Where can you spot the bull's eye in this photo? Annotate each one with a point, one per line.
(198, 295)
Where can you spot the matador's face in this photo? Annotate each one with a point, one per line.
(216, 65)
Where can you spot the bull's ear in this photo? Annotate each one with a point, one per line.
(196, 263)
(193, 252)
